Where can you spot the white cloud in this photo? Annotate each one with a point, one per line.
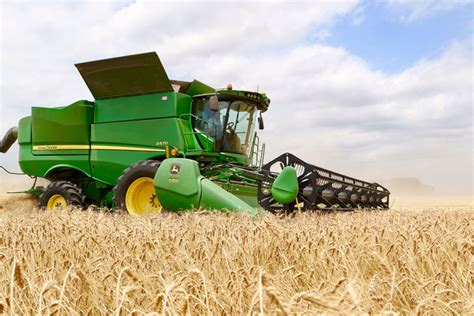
(327, 106)
(358, 15)
(331, 109)
(416, 9)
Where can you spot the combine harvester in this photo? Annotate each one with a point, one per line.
(148, 143)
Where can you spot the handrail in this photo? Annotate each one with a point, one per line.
(262, 155)
(258, 154)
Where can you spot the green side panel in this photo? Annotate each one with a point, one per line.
(183, 105)
(197, 87)
(285, 186)
(147, 106)
(189, 136)
(24, 131)
(177, 184)
(207, 142)
(248, 194)
(131, 141)
(68, 125)
(42, 165)
(151, 134)
(126, 75)
(216, 198)
(108, 165)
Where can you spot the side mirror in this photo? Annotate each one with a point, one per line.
(214, 103)
(260, 122)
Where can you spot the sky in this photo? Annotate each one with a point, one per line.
(373, 89)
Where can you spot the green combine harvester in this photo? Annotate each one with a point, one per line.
(149, 143)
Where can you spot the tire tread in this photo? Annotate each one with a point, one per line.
(118, 189)
(72, 193)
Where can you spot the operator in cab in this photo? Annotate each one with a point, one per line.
(213, 119)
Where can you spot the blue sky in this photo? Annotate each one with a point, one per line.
(378, 33)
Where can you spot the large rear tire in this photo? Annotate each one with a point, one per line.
(60, 195)
(135, 192)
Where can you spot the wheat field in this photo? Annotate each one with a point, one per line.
(89, 262)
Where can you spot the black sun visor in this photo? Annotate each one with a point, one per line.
(127, 75)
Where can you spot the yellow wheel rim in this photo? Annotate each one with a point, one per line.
(56, 201)
(141, 199)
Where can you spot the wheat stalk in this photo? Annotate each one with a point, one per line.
(412, 261)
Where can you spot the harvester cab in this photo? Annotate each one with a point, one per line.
(225, 122)
(147, 142)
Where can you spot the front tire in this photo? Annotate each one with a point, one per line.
(135, 192)
(60, 195)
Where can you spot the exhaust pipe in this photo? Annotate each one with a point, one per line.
(10, 137)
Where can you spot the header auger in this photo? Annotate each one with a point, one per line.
(148, 143)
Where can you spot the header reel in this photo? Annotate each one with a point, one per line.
(318, 188)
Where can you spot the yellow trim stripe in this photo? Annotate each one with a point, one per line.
(60, 147)
(105, 147)
(95, 147)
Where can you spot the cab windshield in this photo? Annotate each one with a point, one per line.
(231, 126)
